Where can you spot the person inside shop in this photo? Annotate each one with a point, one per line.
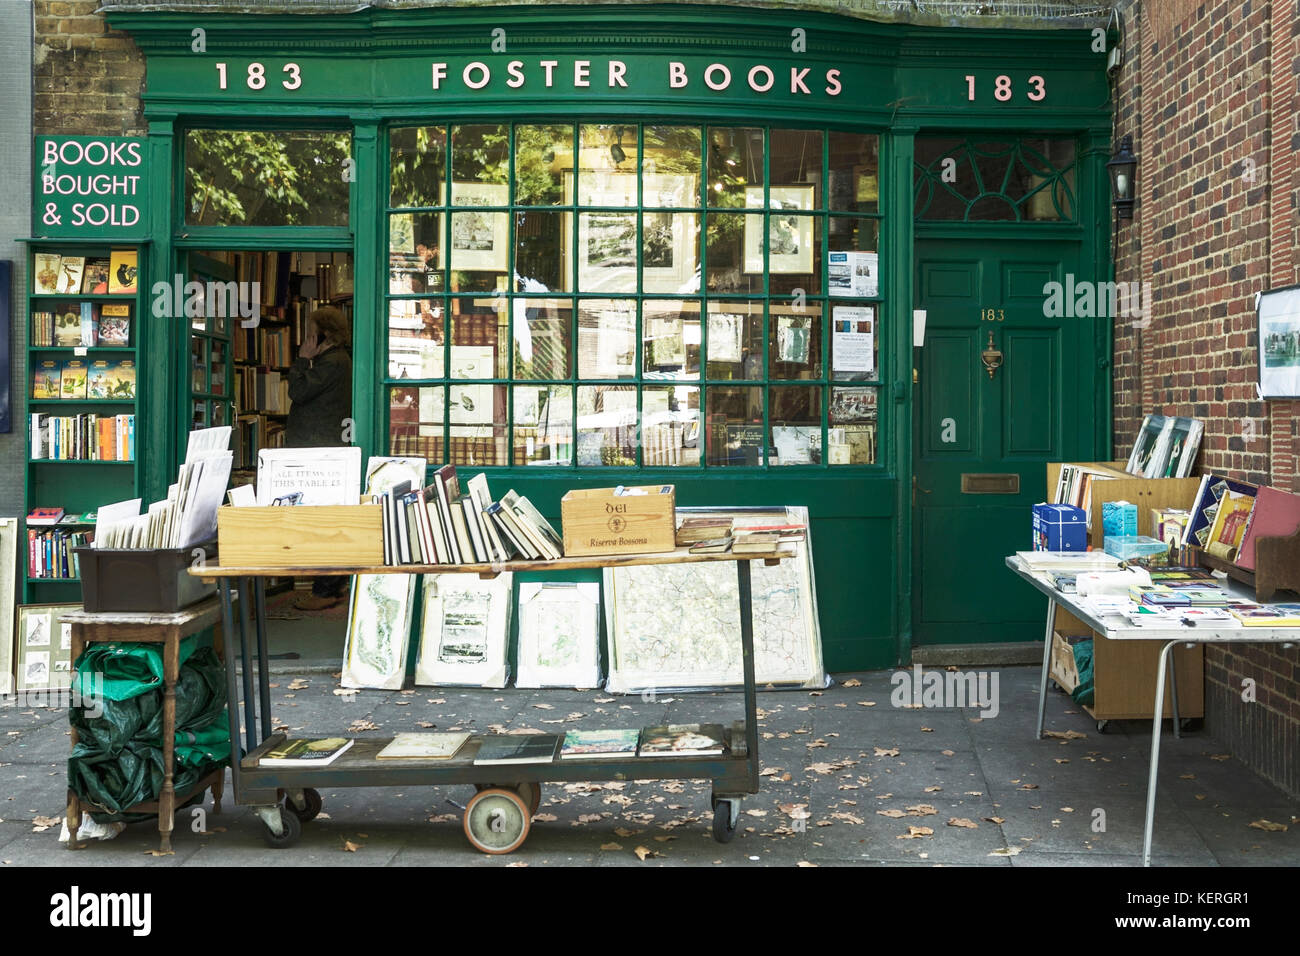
(320, 389)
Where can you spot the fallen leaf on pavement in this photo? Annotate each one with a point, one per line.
(866, 703)
(1007, 851)
(805, 863)
(963, 823)
(159, 853)
(915, 832)
(350, 847)
(927, 730)
(1027, 786)
(611, 846)
(853, 682)
(1268, 825)
(424, 723)
(883, 752)
(997, 820)
(756, 813)
(891, 813)
(345, 691)
(769, 771)
(947, 753)
(846, 817)
(362, 724)
(922, 810)
(1220, 756)
(1064, 734)
(933, 789)
(546, 817)
(642, 852)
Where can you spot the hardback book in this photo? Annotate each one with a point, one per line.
(477, 488)
(1262, 615)
(509, 523)
(67, 326)
(300, 752)
(46, 271)
(94, 280)
(529, 748)
(514, 547)
(715, 546)
(42, 328)
(536, 527)
(47, 378)
(423, 746)
(599, 744)
(448, 489)
(122, 268)
(469, 507)
(695, 530)
(72, 383)
(115, 325)
(70, 270)
(97, 379)
(89, 324)
(1276, 513)
(1229, 524)
(759, 542)
(460, 533)
(44, 516)
(683, 740)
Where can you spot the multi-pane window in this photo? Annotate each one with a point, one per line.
(598, 295)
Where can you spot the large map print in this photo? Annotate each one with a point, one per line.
(674, 626)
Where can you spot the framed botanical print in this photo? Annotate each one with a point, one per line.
(480, 240)
(379, 629)
(559, 631)
(1278, 315)
(790, 236)
(466, 625)
(44, 647)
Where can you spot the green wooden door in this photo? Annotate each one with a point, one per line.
(981, 442)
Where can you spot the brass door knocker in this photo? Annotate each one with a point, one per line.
(991, 357)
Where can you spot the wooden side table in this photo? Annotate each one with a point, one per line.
(169, 630)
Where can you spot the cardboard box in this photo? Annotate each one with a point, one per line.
(642, 520)
(1119, 518)
(1060, 528)
(326, 536)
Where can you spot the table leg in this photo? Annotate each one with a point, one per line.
(218, 789)
(1155, 752)
(263, 669)
(228, 637)
(1173, 694)
(250, 703)
(1047, 666)
(747, 651)
(167, 800)
(74, 802)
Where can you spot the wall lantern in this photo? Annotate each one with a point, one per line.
(1122, 167)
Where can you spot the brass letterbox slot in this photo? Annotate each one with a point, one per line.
(1007, 484)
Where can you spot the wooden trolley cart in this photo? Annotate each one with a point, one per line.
(498, 817)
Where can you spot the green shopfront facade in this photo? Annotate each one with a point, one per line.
(625, 223)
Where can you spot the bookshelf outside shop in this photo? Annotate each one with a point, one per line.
(688, 257)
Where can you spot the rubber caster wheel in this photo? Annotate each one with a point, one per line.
(1103, 726)
(312, 804)
(497, 820)
(724, 831)
(291, 830)
(531, 792)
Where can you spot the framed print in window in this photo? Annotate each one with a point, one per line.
(480, 241)
(791, 236)
(1278, 316)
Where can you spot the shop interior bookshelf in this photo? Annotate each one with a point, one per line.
(78, 486)
(1124, 672)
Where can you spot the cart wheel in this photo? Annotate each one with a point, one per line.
(496, 821)
(531, 792)
(312, 804)
(1102, 726)
(291, 830)
(724, 831)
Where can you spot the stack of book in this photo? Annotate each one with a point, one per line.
(438, 524)
(50, 552)
(704, 531)
(764, 534)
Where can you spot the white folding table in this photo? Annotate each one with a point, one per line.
(1115, 628)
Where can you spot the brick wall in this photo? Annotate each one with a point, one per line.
(86, 78)
(1207, 103)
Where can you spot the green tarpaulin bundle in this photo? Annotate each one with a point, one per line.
(1083, 692)
(118, 760)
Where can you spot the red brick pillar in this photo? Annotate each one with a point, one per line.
(1281, 213)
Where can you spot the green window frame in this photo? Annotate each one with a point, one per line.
(422, 407)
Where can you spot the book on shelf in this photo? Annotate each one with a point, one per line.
(524, 748)
(107, 379)
(599, 744)
(70, 272)
(72, 381)
(114, 325)
(94, 281)
(758, 542)
(1276, 513)
(301, 752)
(89, 324)
(683, 740)
(122, 271)
(416, 746)
(44, 516)
(695, 530)
(86, 437)
(51, 553)
(531, 522)
(42, 328)
(46, 272)
(715, 546)
(67, 326)
(47, 377)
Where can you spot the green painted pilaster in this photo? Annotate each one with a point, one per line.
(899, 234)
(159, 339)
(369, 326)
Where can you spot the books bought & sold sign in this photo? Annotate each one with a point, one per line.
(90, 187)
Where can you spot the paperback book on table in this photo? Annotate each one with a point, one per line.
(301, 752)
(599, 744)
(683, 740)
(416, 746)
(526, 748)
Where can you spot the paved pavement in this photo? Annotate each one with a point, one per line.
(864, 771)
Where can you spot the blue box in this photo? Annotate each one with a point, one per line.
(1119, 518)
(1060, 528)
(1128, 547)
